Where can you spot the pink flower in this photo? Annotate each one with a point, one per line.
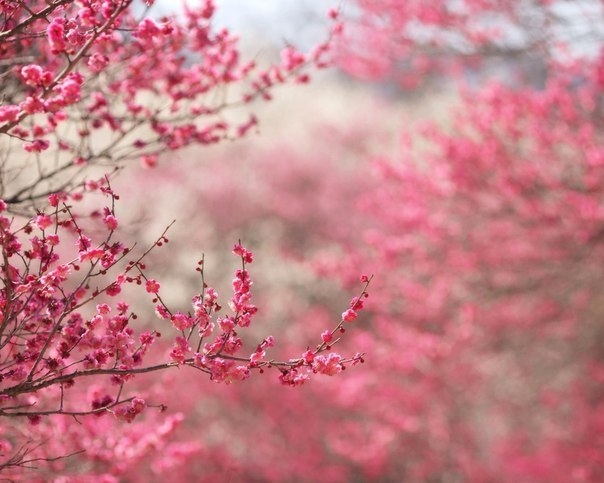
(147, 338)
(43, 221)
(111, 222)
(308, 356)
(53, 239)
(330, 365)
(180, 350)
(32, 104)
(70, 89)
(83, 243)
(86, 17)
(32, 74)
(356, 303)
(103, 309)
(97, 62)
(149, 161)
(162, 312)
(152, 286)
(122, 307)
(291, 58)
(349, 315)
(138, 404)
(56, 35)
(147, 29)
(9, 113)
(240, 373)
(269, 341)
(129, 412)
(37, 146)
(113, 289)
(91, 185)
(53, 199)
(181, 321)
(92, 254)
(257, 356)
(206, 330)
(327, 336)
(242, 252)
(210, 297)
(226, 324)
(292, 378)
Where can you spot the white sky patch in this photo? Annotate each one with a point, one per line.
(302, 23)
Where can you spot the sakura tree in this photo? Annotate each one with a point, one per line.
(87, 88)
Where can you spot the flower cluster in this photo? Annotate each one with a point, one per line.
(71, 57)
(220, 356)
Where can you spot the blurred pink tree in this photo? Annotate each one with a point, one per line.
(484, 339)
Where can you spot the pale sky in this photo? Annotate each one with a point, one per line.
(300, 22)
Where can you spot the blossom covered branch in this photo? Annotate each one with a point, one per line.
(82, 84)
(50, 338)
